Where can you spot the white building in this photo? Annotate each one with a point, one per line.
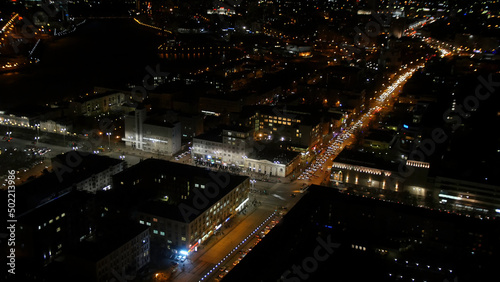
(153, 134)
(273, 162)
(231, 145)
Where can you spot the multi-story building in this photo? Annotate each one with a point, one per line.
(296, 126)
(157, 134)
(273, 162)
(89, 173)
(98, 104)
(467, 195)
(14, 120)
(47, 230)
(56, 126)
(185, 204)
(114, 256)
(353, 168)
(230, 145)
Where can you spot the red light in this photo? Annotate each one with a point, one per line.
(20, 18)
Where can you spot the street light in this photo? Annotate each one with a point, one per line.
(37, 125)
(64, 134)
(109, 139)
(9, 133)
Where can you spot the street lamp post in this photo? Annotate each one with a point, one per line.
(37, 133)
(109, 139)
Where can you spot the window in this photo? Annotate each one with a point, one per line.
(155, 231)
(148, 223)
(141, 221)
(155, 219)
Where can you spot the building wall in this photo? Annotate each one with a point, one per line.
(270, 168)
(162, 139)
(183, 235)
(102, 104)
(132, 255)
(100, 181)
(467, 193)
(290, 127)
(151, 138)
(54, 127)
(235, 147)
(9, 119)
(266, 167)
(415, 183)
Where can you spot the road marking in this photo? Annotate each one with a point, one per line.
(279, 197)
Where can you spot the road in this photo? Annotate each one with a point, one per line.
(226, 246)
(318, 172)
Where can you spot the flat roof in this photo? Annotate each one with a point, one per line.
(214, 135)
(116, 235)
(322, 234)
(66, 172)
(273, 154)
(365, 159)
(151, 168)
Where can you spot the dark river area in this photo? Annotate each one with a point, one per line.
(107, 53)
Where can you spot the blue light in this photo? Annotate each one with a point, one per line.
(405, 126)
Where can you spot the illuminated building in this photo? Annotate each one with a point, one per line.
(183, 205)
(157, 133)
(226, 146)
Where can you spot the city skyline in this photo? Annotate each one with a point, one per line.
(248, 140)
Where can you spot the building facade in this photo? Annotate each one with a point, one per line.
(97, 104)
(183, 205)
(278, 163)
(228, 146)
(152, 134)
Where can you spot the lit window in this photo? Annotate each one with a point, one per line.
(58, 229)
(141, 221)
(155, 231)
(155, 219)
(148, 223)
(162, 233)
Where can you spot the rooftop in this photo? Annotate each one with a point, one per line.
(103, 246)
(176, 177)
(380, 135)
(277, 155)
(335, 234)
(68, 169)
(365, 159)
